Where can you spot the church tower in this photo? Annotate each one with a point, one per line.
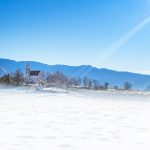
(27, 73)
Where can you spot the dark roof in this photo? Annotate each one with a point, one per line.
(34, 73)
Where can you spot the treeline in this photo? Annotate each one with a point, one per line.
(58, 79)
(15, 78)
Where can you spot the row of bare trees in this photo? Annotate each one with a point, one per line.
(94, 84)
(58, 79)
(15, 78)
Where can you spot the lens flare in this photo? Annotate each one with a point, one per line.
(118, 44)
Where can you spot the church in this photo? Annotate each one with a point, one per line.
(32, 76)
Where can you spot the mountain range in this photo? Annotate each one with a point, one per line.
(139, 81)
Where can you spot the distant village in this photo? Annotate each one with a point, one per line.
(56, 79)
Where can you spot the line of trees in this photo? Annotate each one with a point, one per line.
(58, 79)
(15, 78)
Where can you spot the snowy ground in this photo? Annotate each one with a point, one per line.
(85, 120)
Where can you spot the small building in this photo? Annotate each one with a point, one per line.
(32, 76)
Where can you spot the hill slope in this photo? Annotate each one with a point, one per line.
(103, 75)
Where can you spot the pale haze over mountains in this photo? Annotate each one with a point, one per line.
(138, 81)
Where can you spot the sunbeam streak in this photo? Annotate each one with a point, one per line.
(117, 45)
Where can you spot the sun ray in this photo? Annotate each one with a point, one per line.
(118, 44)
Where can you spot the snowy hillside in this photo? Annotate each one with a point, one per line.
(103, 75)
(33, 120)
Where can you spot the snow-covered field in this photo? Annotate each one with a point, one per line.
(85, 120)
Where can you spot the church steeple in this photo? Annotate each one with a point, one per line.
(27, 73)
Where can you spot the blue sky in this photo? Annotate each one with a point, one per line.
(76, 32)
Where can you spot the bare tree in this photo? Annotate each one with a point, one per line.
(116, 87)
(90, 83)
(106, 86)
(17, 77)
(68, 83)
(127, 86)
(41, 79)
(85, 82)
(96, 85)
(79, 81)
(5, 79)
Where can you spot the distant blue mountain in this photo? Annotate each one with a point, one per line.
(138, 81)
